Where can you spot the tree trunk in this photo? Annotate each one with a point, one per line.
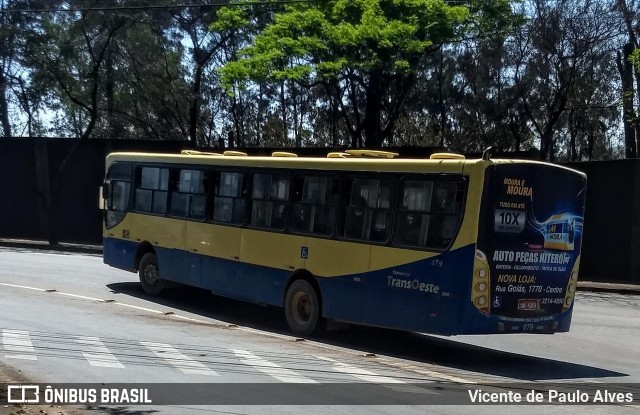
(4, 107)
(259, 115)
(443, 115)
(283, 113)
(294, 105)
(625, 68)
(573, 132)
(545, 144)
(194, 109)
(334, 123)
(373, 112)
(110, 95)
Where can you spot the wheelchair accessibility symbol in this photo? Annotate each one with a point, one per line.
(304, 252)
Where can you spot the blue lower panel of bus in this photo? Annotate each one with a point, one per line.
(224, 277)
(420, 296)
(431, 295)
(120, 253)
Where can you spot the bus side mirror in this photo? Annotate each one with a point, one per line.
(105, 195)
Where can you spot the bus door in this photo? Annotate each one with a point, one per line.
(188, 207)
(271, 253)
(156, 222)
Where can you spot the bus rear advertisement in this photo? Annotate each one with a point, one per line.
(443, 245)
(529, 244)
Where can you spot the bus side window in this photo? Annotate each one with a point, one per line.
(229, 200)
(381, 222)
(314, 204)
(119, 176)
(408, 231)
(270, 200)
(413, 223)
(117, 202)
(179, 198)
(152, 190)
(197, 187)
(355, 217)
(447, 208)
(301, 212)
(430, 213)
(119, 198)
(188, 197)
(368, 207)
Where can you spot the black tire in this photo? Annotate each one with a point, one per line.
(301, 308)
(150, 279)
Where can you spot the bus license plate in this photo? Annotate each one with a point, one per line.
(528, 304)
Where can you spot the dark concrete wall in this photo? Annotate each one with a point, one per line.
(18, 190)
(75, 215)
(611, 242)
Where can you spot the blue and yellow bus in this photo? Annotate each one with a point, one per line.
(442, 245)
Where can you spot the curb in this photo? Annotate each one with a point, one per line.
(590, 286)
(607, 287)
(45, 246)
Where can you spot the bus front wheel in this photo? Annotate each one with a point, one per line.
(150, 279)
(301, 308)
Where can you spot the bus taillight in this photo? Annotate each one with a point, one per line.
(572, 285)
(481, 284)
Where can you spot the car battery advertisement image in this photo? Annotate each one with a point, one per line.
(531, 226)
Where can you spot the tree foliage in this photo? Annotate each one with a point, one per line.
(558, 75)
(365, 53)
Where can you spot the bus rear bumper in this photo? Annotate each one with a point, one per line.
(557, 323)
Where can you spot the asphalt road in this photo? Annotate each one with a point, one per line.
(68, 318)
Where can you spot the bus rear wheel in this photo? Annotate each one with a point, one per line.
(150, 279)
(301, 308)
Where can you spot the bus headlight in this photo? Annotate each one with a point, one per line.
(482, 286)
(481, 301)
(482, 273)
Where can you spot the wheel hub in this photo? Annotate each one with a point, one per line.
(301, 309)
(151, 274)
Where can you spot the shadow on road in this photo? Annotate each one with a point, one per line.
(406, 345)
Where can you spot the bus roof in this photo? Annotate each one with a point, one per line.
(358, 162)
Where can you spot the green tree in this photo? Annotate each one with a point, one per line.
(555, 53)
(207, 35)
(68, 52)
(19, 97)
(628, 64)
(364, 53)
